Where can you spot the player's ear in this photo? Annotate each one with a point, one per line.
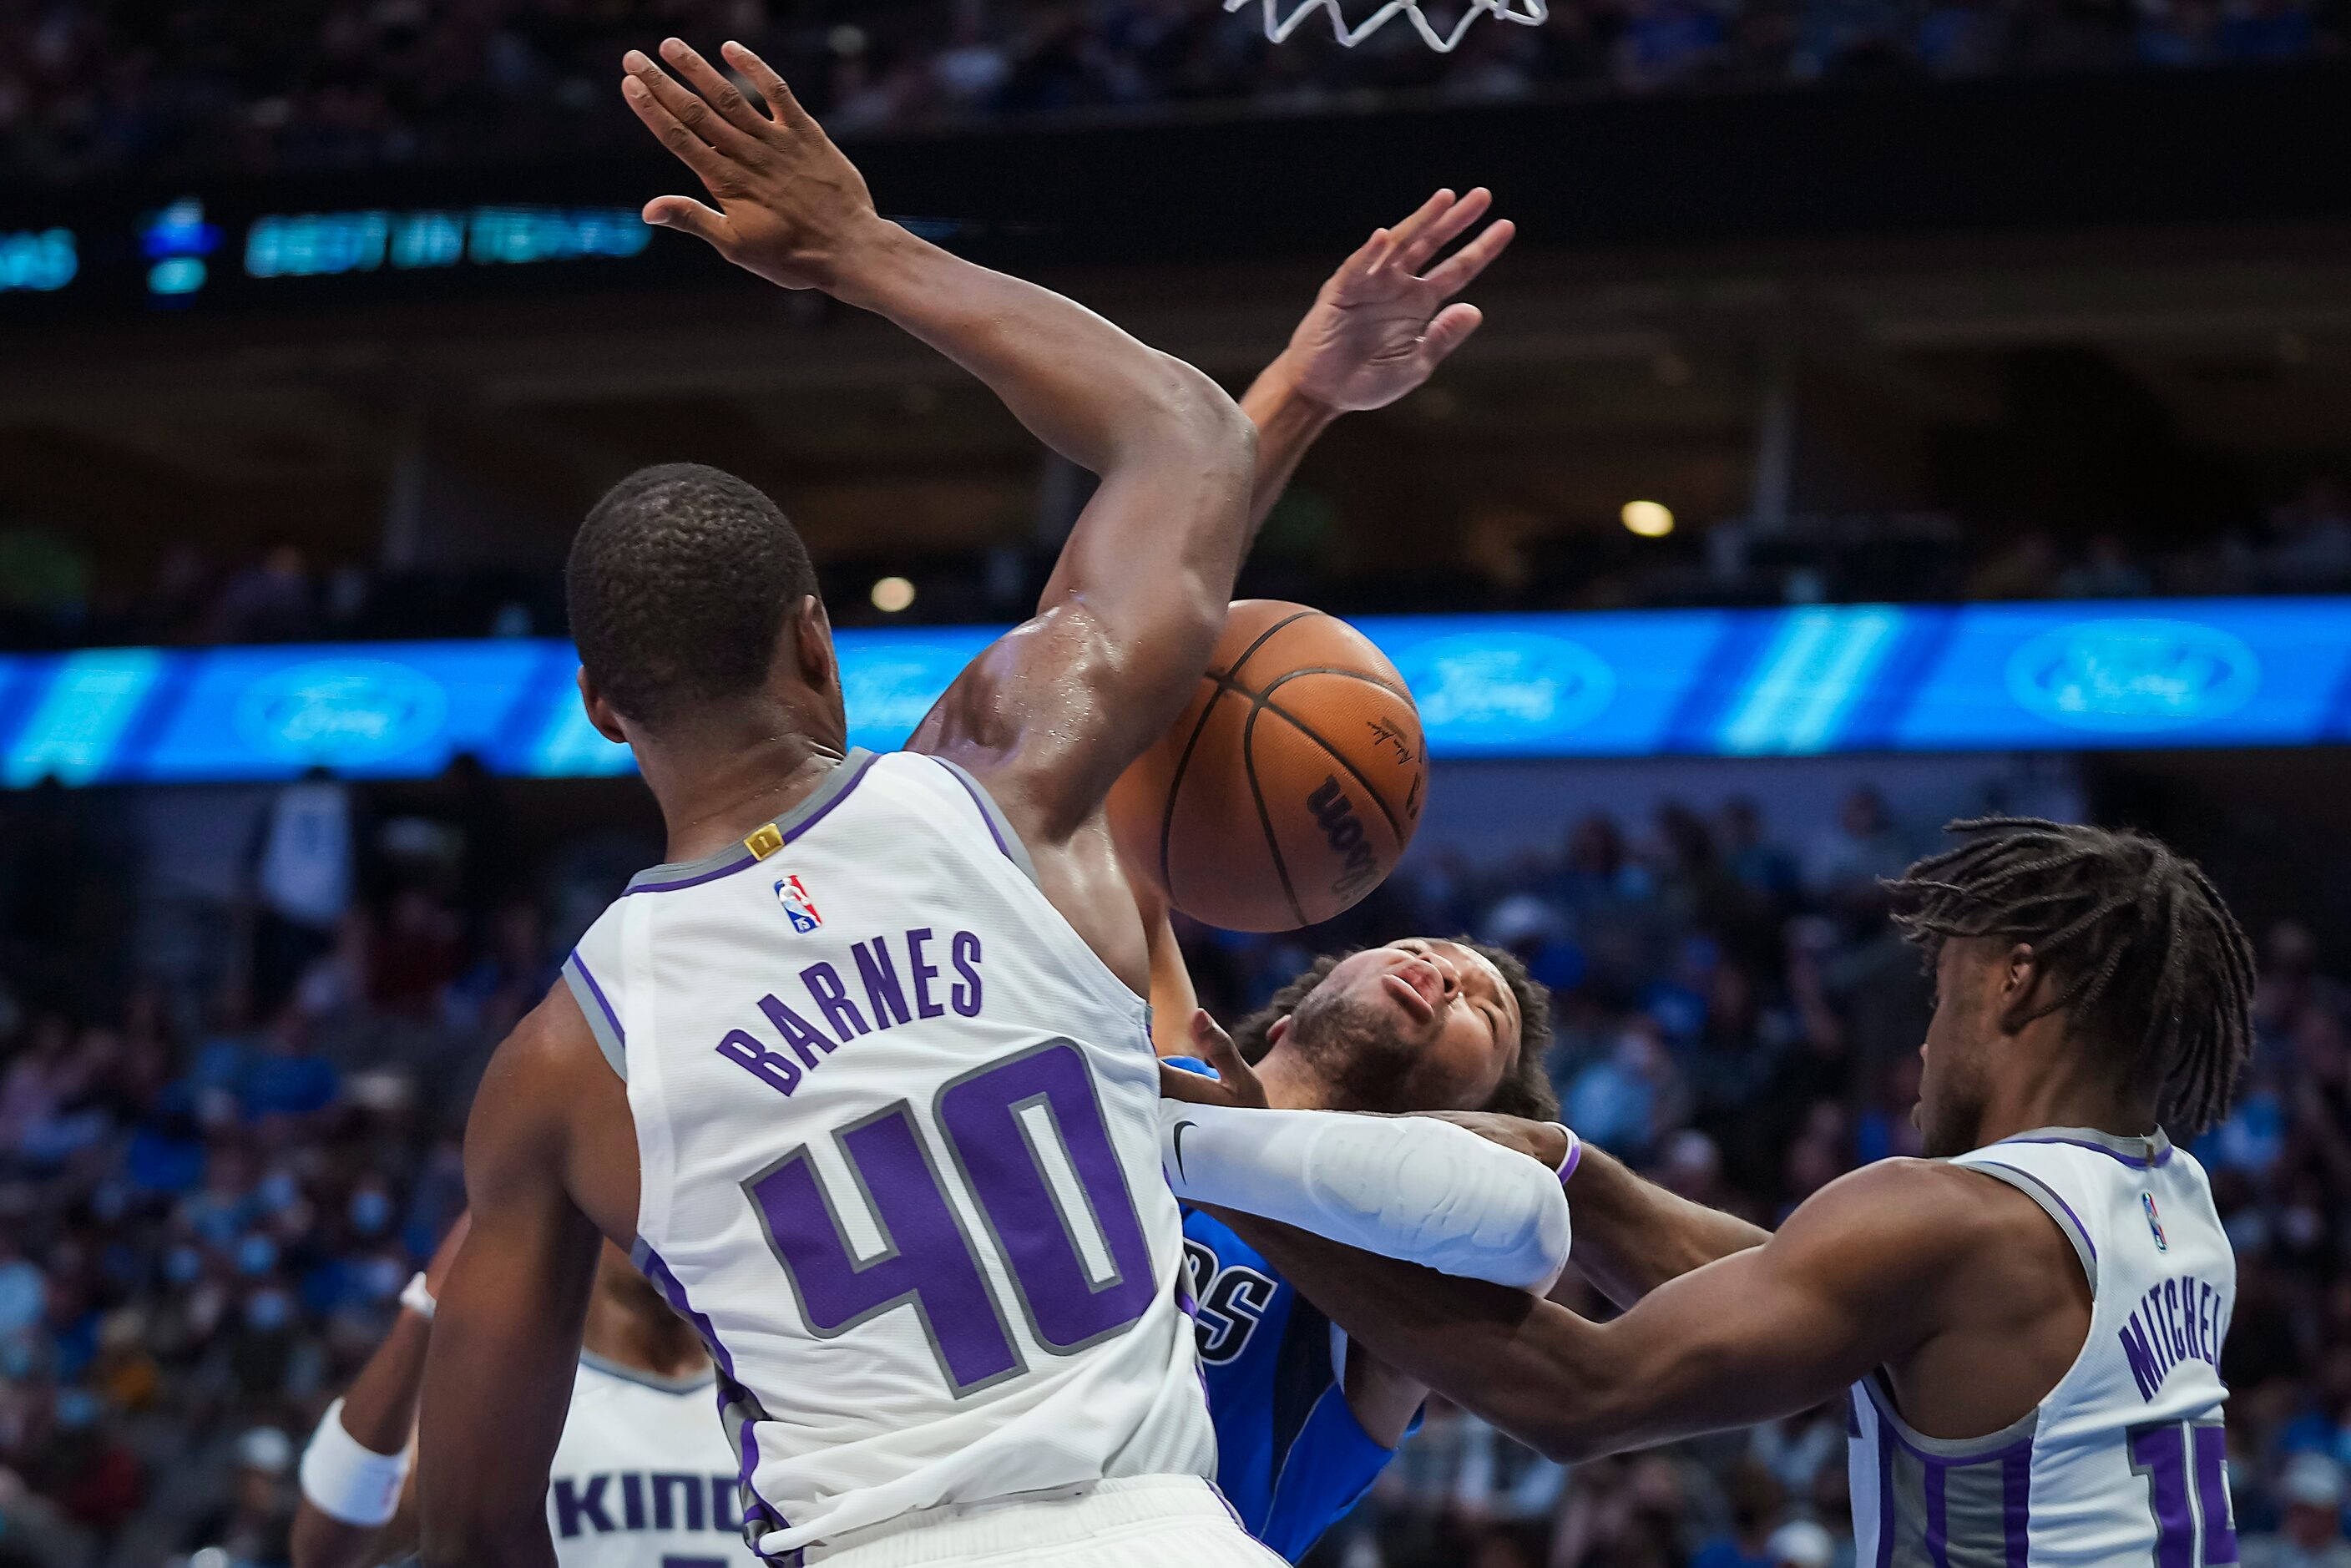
(1275, 1030)
(599, 712)
(2018, 973)
(811, 630)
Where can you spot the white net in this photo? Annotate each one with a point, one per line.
(1278, 26)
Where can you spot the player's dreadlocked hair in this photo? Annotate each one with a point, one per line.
(1525, 1092)
(2134, 942)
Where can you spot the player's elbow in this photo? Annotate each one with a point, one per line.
(1201, 425)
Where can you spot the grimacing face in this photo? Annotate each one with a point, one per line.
(1432, 1023)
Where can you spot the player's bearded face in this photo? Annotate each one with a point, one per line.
(1379, 1053)
(1952, 1088)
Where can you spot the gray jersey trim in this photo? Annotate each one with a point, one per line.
(2139, 1153)
(998, 823)
(602, 1021)
(626, 1374)
(2019, 1431)
(671, 875)
(2060, 1212)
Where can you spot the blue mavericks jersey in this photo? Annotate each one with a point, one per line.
(1292, 1459)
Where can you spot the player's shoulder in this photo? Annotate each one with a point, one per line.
(1916, 1216)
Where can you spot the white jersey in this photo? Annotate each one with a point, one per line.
(897, 1127)
(2125, 1461)
(644, 1477)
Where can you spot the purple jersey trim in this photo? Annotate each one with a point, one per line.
(818, 815)
(2053, 1194)
(1935, 1494)
(598, 992)
(836, 788)
(729, 869)
(2162, 1156)
(1885, 1521)
(649, 1263)
(2016, 1505)
(985, 815)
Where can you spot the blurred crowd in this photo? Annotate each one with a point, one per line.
(52, 596)
(97, 88)
(228, 1124)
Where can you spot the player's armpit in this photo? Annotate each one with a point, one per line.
(1856, 1277)
(506, 1335)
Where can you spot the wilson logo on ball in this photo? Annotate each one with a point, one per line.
(1335, 813)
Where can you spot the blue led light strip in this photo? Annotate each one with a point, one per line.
(2009, 677)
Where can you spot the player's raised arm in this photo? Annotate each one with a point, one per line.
(1378, 328)
(1861, 1274)
(506, 1332)
(1052, 714)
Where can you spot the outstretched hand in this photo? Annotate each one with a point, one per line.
(790, 207)
(1236, 1084)
(1381, 324)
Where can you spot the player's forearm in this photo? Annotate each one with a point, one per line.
(1081, 386)
(1407, 1187)
(1287, 422)
(353, 1469)
(1631, 1235)
(379, 1411)
(1533, 1369)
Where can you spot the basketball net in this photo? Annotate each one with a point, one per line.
(1278, 27)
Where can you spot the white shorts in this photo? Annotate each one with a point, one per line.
(1140, 1521)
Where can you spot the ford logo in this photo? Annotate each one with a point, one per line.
(1493, 688)
(341, 713)
(2126, 675)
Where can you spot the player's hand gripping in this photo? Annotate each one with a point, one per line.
(1235, 1084)
(790, 206)
(1381, 324)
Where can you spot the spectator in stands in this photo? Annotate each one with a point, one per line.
(2311, 1534)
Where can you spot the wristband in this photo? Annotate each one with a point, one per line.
(348, 1481)
(1574, 1153)
(418, 1297)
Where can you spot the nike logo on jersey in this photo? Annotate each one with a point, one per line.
(1176, 1137)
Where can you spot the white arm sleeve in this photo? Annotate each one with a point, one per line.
(1402, 1187)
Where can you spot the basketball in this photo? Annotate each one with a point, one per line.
(1291, 784)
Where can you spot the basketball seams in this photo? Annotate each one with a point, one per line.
(1260, 703)
(1395, 687)
(1175, 792)
(1233, 670)
(1265, 817)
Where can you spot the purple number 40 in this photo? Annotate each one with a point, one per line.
(1031, 1145)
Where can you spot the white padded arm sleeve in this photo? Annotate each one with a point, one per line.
(1402, 1187)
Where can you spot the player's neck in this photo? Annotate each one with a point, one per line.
(716, 790)
(647, 1339)
(1291, 1084)
(2054, 1082)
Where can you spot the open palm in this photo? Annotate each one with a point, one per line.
(1382, 323)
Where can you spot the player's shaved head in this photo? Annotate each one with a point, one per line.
(679, 586)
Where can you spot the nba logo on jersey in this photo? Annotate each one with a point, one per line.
(798, 907)
(2154, 1221)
